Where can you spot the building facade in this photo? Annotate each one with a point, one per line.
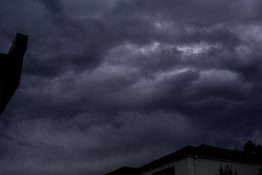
(201, 160)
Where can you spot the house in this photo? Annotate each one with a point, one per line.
(200, 160)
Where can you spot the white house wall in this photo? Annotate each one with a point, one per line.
(211, 167)
(201, 166)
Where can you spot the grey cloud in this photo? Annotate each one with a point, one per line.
(112, 83)
(79, 145)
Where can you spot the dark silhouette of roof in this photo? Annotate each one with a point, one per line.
(202, 151)
(11, 68)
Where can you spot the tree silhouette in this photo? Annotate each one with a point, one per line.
(226, 171)
(250, 147)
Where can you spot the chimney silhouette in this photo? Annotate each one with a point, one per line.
(11, 69)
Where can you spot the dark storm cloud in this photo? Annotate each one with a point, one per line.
(121, 82)
(81, 144)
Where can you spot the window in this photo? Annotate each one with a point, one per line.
(167, 171)
(260, 171)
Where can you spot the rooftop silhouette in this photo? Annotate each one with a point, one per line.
(212, 158)
(11, 69)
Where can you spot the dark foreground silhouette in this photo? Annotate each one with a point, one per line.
(11, 68)
(202, 160)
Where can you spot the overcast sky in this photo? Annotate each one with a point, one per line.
(108, 83)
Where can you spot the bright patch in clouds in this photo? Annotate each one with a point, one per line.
(196, 49)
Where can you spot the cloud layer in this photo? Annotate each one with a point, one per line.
(121, 82)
